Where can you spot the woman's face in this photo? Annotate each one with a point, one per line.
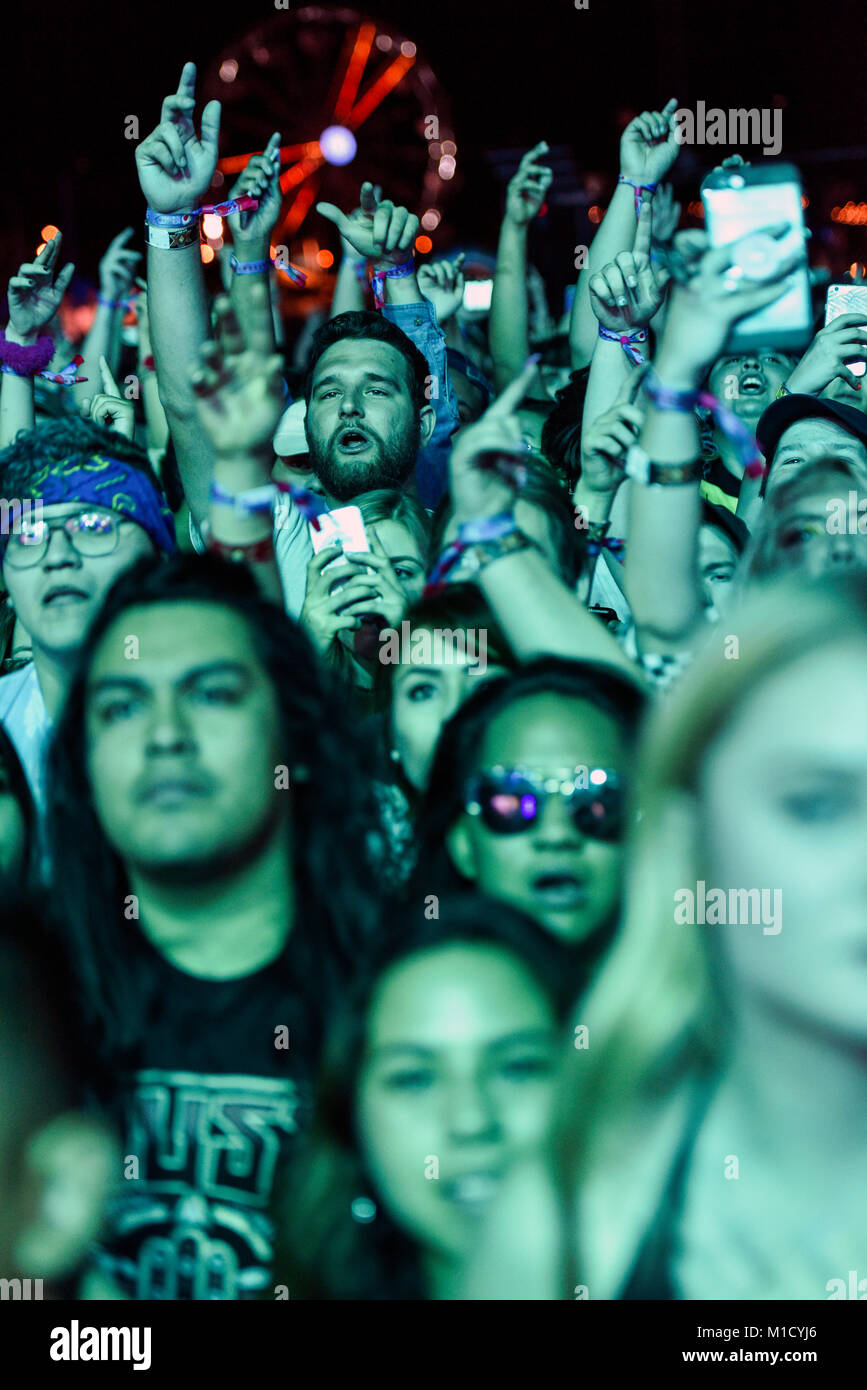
(408, 567)
(13, 830)
(560, 876)
(457, 1080)
(819, 531)
(426, 693)
(783, 804)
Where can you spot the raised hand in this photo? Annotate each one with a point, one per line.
(109, 407)
(825, 359)
(175, 165)
(477, 491)
(35, 293)
(261, 180)
(704, 307)
(526, 192)
(117, 267)
(604, 445)
(442, 282)
(648, 145)
(335, 598)
(238, 387)
(666, 215)
(377, 230)
(626, 293)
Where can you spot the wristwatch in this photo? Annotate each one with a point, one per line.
(641, 467)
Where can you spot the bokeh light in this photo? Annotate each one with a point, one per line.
(212, 225)
(423, 244)
(431, 219)
(229, 70)
(50, 232)
(325, 259)
(338, 145)
(446, 167)
(208, 253)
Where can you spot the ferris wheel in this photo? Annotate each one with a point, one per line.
(353, 99)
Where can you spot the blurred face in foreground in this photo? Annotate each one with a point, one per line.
(457, 1080)
(783, 798)
(183, 740)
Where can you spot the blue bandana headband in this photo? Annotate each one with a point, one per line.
(108, 482)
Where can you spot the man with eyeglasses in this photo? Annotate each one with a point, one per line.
(82, 504)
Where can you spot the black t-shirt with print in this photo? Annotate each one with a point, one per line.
(220, 1087)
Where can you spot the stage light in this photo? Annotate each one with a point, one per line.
(449, 147)
(41, 247)
(446, 167)
(594, 214)
(423, 244)
(408, 50)
(229, 70)
(384, 43)
(338, 145)
(431, 220)
(208, 253)
(50, 232)
(435, 149)
(218, 180)
(325, 259)
(212, 225)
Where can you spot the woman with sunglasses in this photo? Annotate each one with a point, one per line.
(439, 1072)
(526, 799)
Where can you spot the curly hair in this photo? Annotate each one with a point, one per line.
(61, 441)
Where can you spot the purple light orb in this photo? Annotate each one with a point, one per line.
(338, 145)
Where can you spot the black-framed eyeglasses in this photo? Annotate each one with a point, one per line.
(91, 533)
(510, 800)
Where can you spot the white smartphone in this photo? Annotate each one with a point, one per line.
(344, 527)
(477, 294)
(847, 299)
(745, 199)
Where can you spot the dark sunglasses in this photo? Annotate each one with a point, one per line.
(510, 800)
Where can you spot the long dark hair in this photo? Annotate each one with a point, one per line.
(604, 687)
(321, 1252)
(331, 816)
(19, 788)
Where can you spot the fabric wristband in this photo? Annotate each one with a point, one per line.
(252, 551)
(639, 189)
(174, 220)
(472, 533)
(642, 469)
(170, 239)
(249, 503)
(259, 267)
(627, 341)
(667, 398)
(392, 272)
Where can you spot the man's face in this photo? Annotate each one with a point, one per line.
(362, 425)
(717, 562)
(748, 382)
(57, 599)
(182, 731)
(809, 439)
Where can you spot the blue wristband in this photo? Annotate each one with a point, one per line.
(170, 219)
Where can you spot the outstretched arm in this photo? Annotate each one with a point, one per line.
(34, 295)
(648, 148)
(175, 168)
(508, 326)
(539, 615)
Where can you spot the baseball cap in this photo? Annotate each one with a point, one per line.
(289, 437)
(784, 412)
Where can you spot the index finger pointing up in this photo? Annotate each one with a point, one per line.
(511, 398)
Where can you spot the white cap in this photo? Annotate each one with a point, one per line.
(290, 438)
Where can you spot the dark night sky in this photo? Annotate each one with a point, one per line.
(515, 72)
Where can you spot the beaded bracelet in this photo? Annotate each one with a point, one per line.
(626, 341)
(639, 189)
